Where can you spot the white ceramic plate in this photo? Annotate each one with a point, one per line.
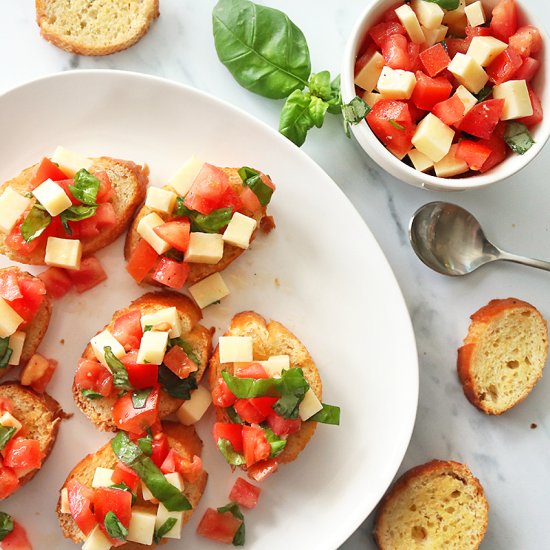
(321, 273)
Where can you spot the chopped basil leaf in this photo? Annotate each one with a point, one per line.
(518, 138)
(173, 385)
(145, 444)
(85, 187)
(35, 223)
(213, 222)
(484, 93)
(244, 388)
(5, 352)
(329, 414)
(448, 5)
(232, 413)
(354, 112)
(6, 525)
(231, 456)
(294, 387)
(75, 214)
(396, 124)
(277, 444)
(252, 178)
(148, 328)
(125, 449)
(114, 527)
(175, 255)
(186, 347)
(139, 398)
(5, 435)
(120, 374)
(181, 210)
(165, 528)
(123, 487)
(91, 394)
(234, 509)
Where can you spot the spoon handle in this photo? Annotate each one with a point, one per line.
(539, 264)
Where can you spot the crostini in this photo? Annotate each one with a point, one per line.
(267, 392)
(197, 224)
(67, 207)
(29, 423)
(144, 364)
(135, 490)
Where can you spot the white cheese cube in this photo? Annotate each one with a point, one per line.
(433, 138)
(239, 230)
(9, 319)
(193, 409)
(275, 365)
(468, 72)
(396, 84)
(235, 349)
(209, 290)
(204, 248)
(450, 165)
(429, 14)
(163, 514)
(102, 477)
(69, 162)
(142, 526)
(145, 492)
(65, 508)
(309, 406)
(65, 253)
(466, 97)
(52, 197)
(167, 315)
(409, 20)
(475, 14)
(433, 36)
(96, 540)
(182, 180)
(368, 76)
(17, 341)
(100, 341)
(420, 161)
(485, 49)
(152, 348)
(372, 98)
(12, 207)
(517, 103)
(161, 200)
(176, 480)
(9, 421)
(146, 230)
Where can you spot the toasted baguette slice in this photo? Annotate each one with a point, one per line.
(271, 339)
(183, 439)
(198, 271)
(200, 339)
(98, 28)
(503, 355)
(436, 505)
(129, 182)
(40, 415)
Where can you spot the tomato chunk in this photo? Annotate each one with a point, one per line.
(9, 483)
(17, 243)
(92, 375)
(47, 170)
(176, 233)
(124, 474)
(189, 469)
(264, 405)
(392, 123)
(57, 281)
(17, 539)
(505, 66)
(105, 192)
(536, 117)
(435, 59)
(33, 291)
(222, 396)
(283, 426)
(483, 118)
(473, 153)
(504, 22)
(127, 329)
(232, 432)
(171, 273)
(254, 370)
(396, 53)
(38, 372)
(22, 453)
(498, 150)
(112, 500)
(80, 504)
(219, 527)
(526, 40)
(248, 412)
(90, 274)
(255, 445)
(142, 376)
(381, 32)
(457, 45)
(528, 69)
(9, 285)
(208, 189)
(430, 91)
(134, 420)
(179, 362)
(161, 448)
(262, 470)
(245, 494)
(142, 260)
(450, 111)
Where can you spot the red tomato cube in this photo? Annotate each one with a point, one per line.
(262, 470)
(430, 91)
(283, 426)
(134, 420)
(179, 362)
(381, 32)
(473, 153)
(450, 111)
(127, 329)
(504, 22)
(9, 285)
(124, 474)
(222, 396)
(218, 527)
(90, 274)
(245, 494)
(142, 376)
(22, 453)
(9, 482)
(255, 445)
(57, 281)
(483, 118)
(171, 273)
(435, 59)
(117, 501)
(536, 117)
(528, 69)
(505, 66)
(92, 375)
(176, 233)
(142, 260)
(396, 53)
(254, 370)
(47, 170)
(232, 432)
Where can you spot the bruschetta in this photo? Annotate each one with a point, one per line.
(144, 364)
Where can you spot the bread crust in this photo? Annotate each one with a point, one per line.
(271, 339)
(99, 410)
(129, 182)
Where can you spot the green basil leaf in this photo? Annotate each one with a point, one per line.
(173, 254)
(261, 47)
(448, 5)
(120, 374)
(5, 352)
(91, 394)
(5, 435)
(85, 187)
(234, 509)
(164, 529)
(518, 137)
(114, 527)
(253, 179)
(145, 445)
(123, 487)
(484, 93)
(231, 456)
(294, 387)
(75, 214)
(277, 444)
(335, 100)
(318, 110)
(35, 223)
(329, 414)
(244, 388)
(6, 525)
(186, 347)
(295, 121)
(125, 449)
(139, 398)
(173, 385)
(213, 222)
(148, 328)
(181, 210)
(320, 86)
(233, 416)
(355, 111)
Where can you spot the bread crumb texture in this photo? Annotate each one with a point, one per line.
(438, 505)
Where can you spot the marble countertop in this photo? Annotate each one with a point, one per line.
(507, 453)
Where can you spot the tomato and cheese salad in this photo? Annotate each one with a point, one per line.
(448, 84)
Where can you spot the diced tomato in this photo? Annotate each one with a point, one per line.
(104, 218)
(253, 370)
(392, 123)
(283, 426)
(264, 405)
(231, 199)
(17, 243)
(176, 233)
(430, 91)
(526, 40)
(482, 119)
(473, 153)
(416, 113)
(22, 453)
(207, 189)
(9, 483)
(142, 260)
(142, 375)
(249, 200)
(435, 59)
(179, 362)
(381, 32)
(90, 274)
(92, 375)
(9, 285)
(168, 466)
(414, 55)
(105, 192)
(127, 329)
(33, 291)
(161, 449)
(395, 52)
(191, 470)
(457, 45)
(255, 445)
(262, 470)
(498, 149)
(171, 273)
(133, 420)
(6, 405)
(218, 527)
(245, 494)
(477, 31)
(222, 396)
(57, 281)
(450, 111)
(390, 14)
(112, 500)
(47, 170)
(232, 432)
(80, 504)
(248, 412)
(528, 69)
(65, 183)
(505, 66)
(17, 539)
(504, 22)
(124, 474)
(130, 358)
(38, 372)
(536, 117)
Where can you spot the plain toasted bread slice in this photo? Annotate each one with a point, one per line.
(437, 505)
(101, 27)
(198, 271)
(129, 182)
(503, 355)
(200, 339)
(183, 439)
(271, 339)
(40, 415)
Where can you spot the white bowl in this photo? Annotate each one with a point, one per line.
(376, 150)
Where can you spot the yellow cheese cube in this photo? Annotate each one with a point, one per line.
(142, 526)
(239, 230)
(450, 165)
(517, 103)
(152, 347)
(17, 341)
(309, 406)
(102, 477)
(235, 348)
(209, 290)
(9, 319)
(420, 161)
(409, 20)
(475, 14)
(52, 197)
(193, 409)
(466, 97)
(12, 207)
(167, 315)
(96, 540)
(204, 248)
(65, 509)
(396, 84)
(275, 365)
(182, 180)
(65, 253)
(161, 200)
(69, 162)
(9, 421)
(485, 49)
(468, 72)
(368, 76)
(146, 229)
(372, 98)
(105, 339)
(429, 14)
(433, 138)
(433, 36)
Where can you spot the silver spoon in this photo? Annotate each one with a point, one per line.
(451, 241)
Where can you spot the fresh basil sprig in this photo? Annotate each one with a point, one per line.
(5, 352)
(35, 223)
(234, 509)
(6, 525)
(85, 188)
(120, 374)
(114, 526)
